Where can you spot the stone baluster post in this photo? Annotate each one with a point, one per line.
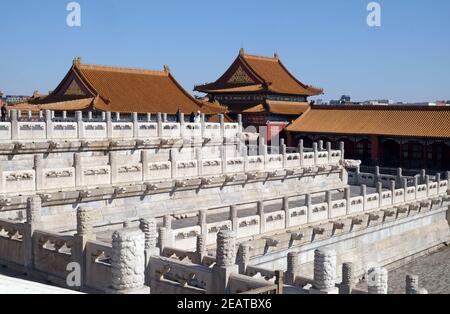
(174, 162)
(145, 159)
(282, 142)
(399, 175)
(293, 268)
(377, 174)
(77, 164)
(320, 145)
(427, 183)
(447, 176)
(364, 195)
(261, 142)
(202, 221)
(135, 125)
(405, 183)
(423, 174)
(316, 152)
(308, 204)
(262, 217)
(222, 125)
(33, 222)
(347, 283)
(283, 149)
(149, 228)
(86, 218)
(329, 201)
(377, 281)
(301, 151)
(202, 125)
(240, 125)
(14, 124)
(243, 257)
(167, 222)
(163, 242)
(202, 240)
(89, 115)
(242, 149)
(265, 154)
(347, 196)
(182, 125)
(159, 121)
(49, 123)
(329, 152)
(199, 156)
(379, 186)
(287, 215)
(39, 171)
(416, 185)
(438, 181)
(234, 218)
(109, 125)
(225, 263)
(128, 262)
(80, 125)
(357, 175)
(324, 272)
(342, 149)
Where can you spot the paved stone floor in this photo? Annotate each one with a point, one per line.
(13, 283)
(433, 271)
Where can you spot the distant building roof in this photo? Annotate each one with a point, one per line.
(122, 90)
(250, 73)
(427, 122)
(279, 107)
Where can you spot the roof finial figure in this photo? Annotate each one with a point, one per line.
(275, 55)
(166, 68)
(242, 51)
(77, 61)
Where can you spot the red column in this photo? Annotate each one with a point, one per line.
(375, 142)
(290, 139)
(424, 155)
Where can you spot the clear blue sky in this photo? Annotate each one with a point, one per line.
(326, 43)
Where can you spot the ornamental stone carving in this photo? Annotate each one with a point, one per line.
(226, 248)
(85, 220)
(128, 260)
(34, 205)
(412, 284)
(324, 269)
(347, 278)
(377, 280)
(351, 164)
(149, 228)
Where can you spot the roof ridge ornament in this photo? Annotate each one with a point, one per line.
(77, 61)
(241, 51)
(166, 68)
(276, 56)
